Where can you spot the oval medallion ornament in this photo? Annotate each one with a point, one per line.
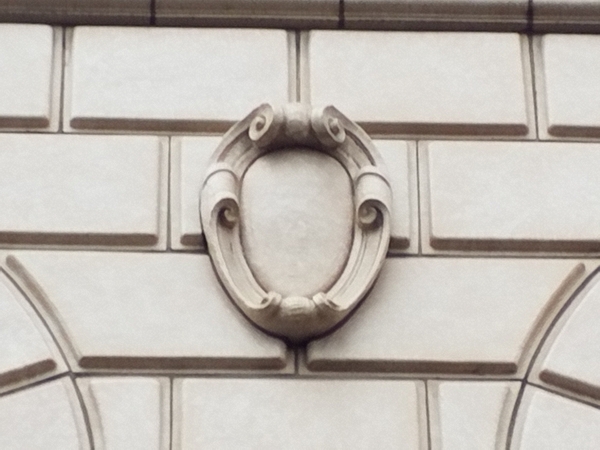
(296, 213)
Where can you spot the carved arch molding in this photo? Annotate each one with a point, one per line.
(324, 259)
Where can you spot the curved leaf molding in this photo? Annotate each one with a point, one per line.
(267, 129)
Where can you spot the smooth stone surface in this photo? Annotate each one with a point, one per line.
(77, 12)
(189, 162)
(297, 224)
(566, 15)
(146, 311)
(26, 350)
(190, 158)
(296, 414)
(494, 196)
(128, 413)
(399, 158)
(470, 415)
(454, 316)
(549, 422)
(573, 361)
(82, 190)
(258, 13)
(41, 418)
(26, 52)
(436, 14)
(422, 83)
(139, 79)
(568, 86)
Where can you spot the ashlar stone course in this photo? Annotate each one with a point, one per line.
(423, 83)
(487, 15)
(142, 311)
(128, 413)
(297, 414)
(567, 85)
(444, 315)
(511, 197)
(83, 190)
(43, 417)
(27, 79)
(470, 415)
(141, 79)
(264, 13)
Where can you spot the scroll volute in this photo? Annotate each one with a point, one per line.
(295, 208)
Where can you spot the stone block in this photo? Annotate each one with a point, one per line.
(567, 85)
(30, 77)
(140, 79)
(143, 311)
(570, 360)
(510, 197)
(261, 13)
(470, 415)
(43, 417)
(408, 83)
(486, 15)
(547, 421)
(83, 190)
(581, 16)
(189, 162)
(77, 12)
(27, 353)
(128, 413)
(298, 414)
(467, 317)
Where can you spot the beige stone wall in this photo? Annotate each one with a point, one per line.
(481, 332)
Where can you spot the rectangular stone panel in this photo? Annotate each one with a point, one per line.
(470, 415)
(189, 162)
(423, 83)
(128, 413)
(170, 79)
(486, 15)
(77, 12)
(83, 190)
(298, 414)
(452, 316)
(567, 85)
(30, 77)
(511, 197)
(143, 312)
(261, 13)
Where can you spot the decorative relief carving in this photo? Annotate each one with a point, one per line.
(332, 201)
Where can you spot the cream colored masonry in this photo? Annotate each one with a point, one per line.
(481, 332)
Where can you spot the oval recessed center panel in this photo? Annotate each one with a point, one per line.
(297, 221)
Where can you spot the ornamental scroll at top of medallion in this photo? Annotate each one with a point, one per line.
(295, 208)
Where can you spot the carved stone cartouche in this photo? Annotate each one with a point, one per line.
(296, 213)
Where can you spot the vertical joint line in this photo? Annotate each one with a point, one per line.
(61, 97)
(427, 414)
(297, 36)
(168, 206)
(170, 413)
(84, 411)
(153, 12)
(533, 85)
(529, 25)
(418, 187)
(342, 15)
